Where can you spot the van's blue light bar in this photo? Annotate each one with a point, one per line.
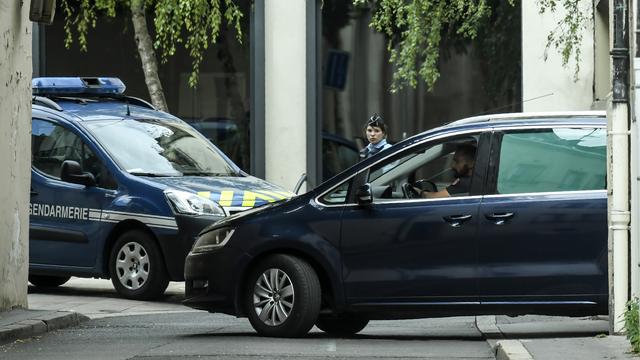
(77, 85)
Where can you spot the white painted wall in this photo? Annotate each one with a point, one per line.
(15, 151)
(547, 85)
(285, 92)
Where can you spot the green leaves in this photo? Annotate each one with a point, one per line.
(632, 324)
(201, 20)
(567, 37)
(84, 18)
(415, 29)
(193, 23)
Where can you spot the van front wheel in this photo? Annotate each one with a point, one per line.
(282, 296)
(136, 266)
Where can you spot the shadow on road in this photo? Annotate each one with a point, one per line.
(97, 292)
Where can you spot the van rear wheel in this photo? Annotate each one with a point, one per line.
(48, 281)
(136, 266)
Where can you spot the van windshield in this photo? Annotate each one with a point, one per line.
(151, 147)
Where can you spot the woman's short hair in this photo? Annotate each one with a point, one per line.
(376, 121)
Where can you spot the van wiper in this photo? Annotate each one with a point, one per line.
(150, 174)
(204, 173)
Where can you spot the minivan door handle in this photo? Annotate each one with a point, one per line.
(499, 218)
(456, 220)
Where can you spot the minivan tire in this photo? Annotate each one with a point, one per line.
(341, 325)
(47, 280)
(136, 266)
(290, 291)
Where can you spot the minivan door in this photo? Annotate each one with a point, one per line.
(543, 226)
(406, 249)
(64, 224)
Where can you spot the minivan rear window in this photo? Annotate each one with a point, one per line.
(552, 160)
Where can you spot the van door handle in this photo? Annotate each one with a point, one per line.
(456, 220)
(33, 193)
(499, 218)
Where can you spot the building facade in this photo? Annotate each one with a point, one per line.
(15, 128)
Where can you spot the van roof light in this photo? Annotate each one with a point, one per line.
(77, 85)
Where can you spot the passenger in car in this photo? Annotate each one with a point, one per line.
(462, 165)
(376, 132)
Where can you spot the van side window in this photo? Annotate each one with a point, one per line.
(52, 144)
(338, 195)
(424, 170)
(551, 160)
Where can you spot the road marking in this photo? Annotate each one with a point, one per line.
(331, 346)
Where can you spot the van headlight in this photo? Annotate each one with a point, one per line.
(191, 204)
(213, 240)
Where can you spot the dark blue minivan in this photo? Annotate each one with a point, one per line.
(120, 190)
(499, 214)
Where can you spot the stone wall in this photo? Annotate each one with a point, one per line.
(15, 153)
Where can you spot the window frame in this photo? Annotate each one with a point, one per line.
(360, 176)
(103, 166)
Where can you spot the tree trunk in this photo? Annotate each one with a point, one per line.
(147, 55)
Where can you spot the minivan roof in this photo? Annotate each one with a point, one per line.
(529, 116)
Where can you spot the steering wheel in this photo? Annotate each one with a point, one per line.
(409, 191)
(426, 185)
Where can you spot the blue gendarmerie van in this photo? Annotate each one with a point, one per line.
(120, 190)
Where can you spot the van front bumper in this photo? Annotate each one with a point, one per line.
(176, 246)
(213, 281)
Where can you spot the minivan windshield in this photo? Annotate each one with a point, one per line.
(151, 147)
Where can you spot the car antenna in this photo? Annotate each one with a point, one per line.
(512, 104)
(128, 110)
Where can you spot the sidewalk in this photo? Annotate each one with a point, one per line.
(77, 301)
(552, 337)
(21, 323)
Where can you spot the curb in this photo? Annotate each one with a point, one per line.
(511, 350)
(39, 325)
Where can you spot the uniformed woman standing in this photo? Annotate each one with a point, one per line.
(376, 132)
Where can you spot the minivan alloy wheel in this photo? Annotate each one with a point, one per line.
(132, 265)
(273, 297)
(282, 296)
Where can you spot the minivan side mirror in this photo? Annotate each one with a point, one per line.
(70, 171)
(364, 196)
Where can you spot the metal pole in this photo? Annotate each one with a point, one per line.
(618, 150)
(634, 166)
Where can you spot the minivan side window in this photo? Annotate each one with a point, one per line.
(52, 144)
(552, 160)
(425, 168)
(338, 195)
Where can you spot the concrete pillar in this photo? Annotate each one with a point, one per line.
(15, 151)
(546, 84)
(285, 86)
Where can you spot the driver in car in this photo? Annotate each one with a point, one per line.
(462, 166)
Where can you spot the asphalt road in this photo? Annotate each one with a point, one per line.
(124, 329)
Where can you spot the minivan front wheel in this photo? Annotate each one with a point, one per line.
(282, 296)
(136, 266)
